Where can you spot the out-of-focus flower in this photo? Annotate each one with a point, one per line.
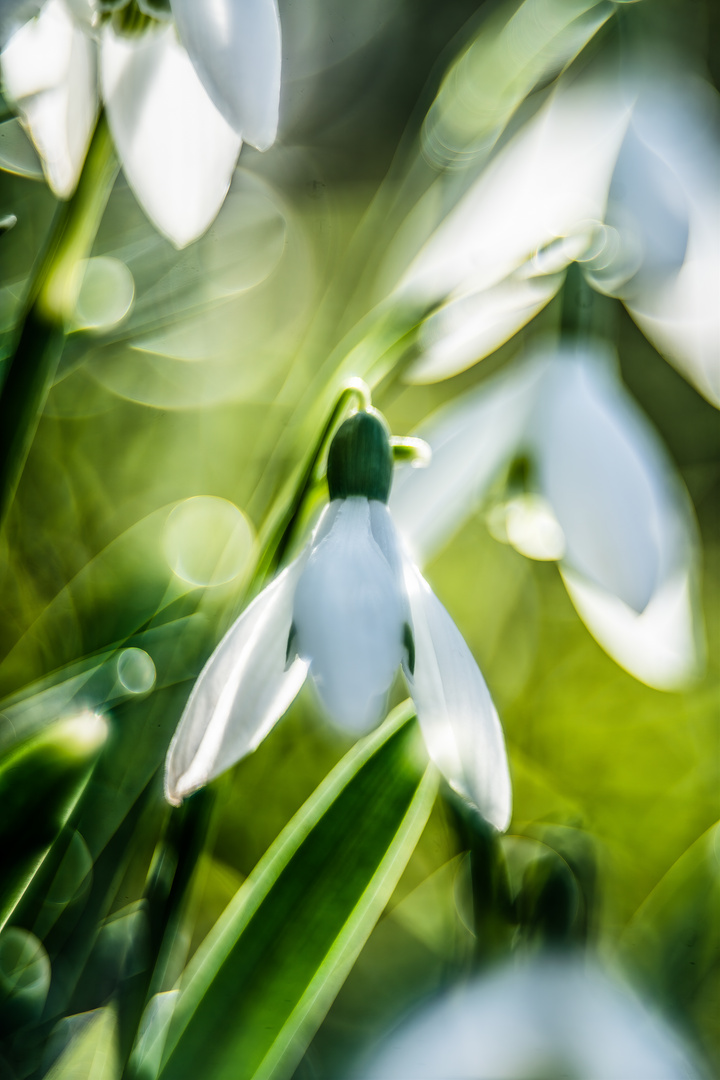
(349, 611)
(599, 494)
(552, 1017)
(180, 97)
(619, 174)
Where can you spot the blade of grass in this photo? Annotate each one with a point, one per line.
(40, 782)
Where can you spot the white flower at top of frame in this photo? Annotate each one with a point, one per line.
(619, 172)
(178, 110)
(349, 611)
(553, 1016)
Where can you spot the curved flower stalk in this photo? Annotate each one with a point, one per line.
(180, 97)
(599, 494)
(554, 1016)
(619, 174)
(349, 611)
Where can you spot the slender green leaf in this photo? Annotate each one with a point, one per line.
(261, 983)
(91, 1049)
(30, 371)
(40, 783)
(515, 50)
(673, 941)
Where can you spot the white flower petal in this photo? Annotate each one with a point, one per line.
(682, 317)
(471, 440)
(553, 1016)
(177, 151)
(235, 47)
(385, 536)
(470, 327)
(665, 204)
(14, 14)
(528, 523)
(457, 717)
(48, 69)
(550, 181)
(605, 473)
(664, 645)
(242, 691)
(349, 616)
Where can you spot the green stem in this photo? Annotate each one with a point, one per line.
(375, 347)
(280, 527)
(51, 299)
(166, 894)
(577, 303)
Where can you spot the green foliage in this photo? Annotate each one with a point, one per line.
(294, 916)
(40, 783)
(260, 985)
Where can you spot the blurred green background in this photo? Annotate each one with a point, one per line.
(135, 525)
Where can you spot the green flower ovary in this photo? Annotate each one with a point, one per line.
(360, 461)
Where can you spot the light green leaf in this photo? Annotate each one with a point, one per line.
(91, 1052)
(515, 50)
(259, 986)
(673, 940)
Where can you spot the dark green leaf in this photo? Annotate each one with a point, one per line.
(40, 782)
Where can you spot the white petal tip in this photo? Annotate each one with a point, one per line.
(261, 141)
(498, 816)
(173, 791)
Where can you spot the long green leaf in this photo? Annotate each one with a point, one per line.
(40, 783)
(261, 983)
(519, 47)
(672, 942)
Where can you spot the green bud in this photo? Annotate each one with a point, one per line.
(360, 461)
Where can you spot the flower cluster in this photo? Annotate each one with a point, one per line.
(181, 96)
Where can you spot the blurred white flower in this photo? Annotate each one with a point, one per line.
(555, 1016)
(178, 110)
(350, 610)
(619, 174)
(601, 496)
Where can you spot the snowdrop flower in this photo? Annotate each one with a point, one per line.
(180, 98)
(619, 174)
(349, 611)
(601, 496)
(552, 1017)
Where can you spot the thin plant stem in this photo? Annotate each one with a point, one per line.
(51, 299)
(281, 524)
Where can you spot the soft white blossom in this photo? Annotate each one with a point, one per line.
(180, 99)
(349, 611)
(619, 173)
(601, 496)
(555, 1016)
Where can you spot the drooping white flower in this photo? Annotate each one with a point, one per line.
(554, 1016)
(180, 98)
(49, 70)
(349, 611)
(618, 173)
(602, 497)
